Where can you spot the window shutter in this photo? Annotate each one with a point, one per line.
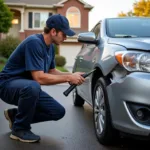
(50, 14)
(30, 16)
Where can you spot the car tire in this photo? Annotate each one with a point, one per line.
(77, 100)
(105, 133)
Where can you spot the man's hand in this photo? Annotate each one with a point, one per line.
(76, 78)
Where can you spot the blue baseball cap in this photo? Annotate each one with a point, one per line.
(61, 23)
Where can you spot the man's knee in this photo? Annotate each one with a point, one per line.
(60, 114)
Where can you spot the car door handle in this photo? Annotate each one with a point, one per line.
(81, 58)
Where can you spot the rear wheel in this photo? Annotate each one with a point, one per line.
(77, 100)
(105, 133)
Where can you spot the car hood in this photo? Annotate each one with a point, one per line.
(132, 43)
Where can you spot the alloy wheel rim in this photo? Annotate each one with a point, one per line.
(99, 110)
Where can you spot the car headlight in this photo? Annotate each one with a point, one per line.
(134, 61)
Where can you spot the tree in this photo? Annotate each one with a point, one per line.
(140, 8)
(122, 14)
(6, 17)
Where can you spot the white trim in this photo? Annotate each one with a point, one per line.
(16, 4)
(40, 6)
(83, 2)
(90, 7)
(22, 21)
(57, 5)
(34, 29)
(61, 2)
(75, 13)
(18, 9)
(30, 5)
(86, 5)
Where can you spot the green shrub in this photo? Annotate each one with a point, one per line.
(8, 45)
(60, 60)
(3, 60)
(56, 49)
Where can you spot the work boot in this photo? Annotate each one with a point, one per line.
(10, 116)
(25, 136)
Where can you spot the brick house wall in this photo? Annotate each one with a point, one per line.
(83, 11)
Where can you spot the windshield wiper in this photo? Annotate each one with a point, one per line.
(127, 36)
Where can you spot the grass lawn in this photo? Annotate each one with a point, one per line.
(1, 66)
(59, 68)
(62, 69)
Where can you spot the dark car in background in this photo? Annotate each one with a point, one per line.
(119, 89)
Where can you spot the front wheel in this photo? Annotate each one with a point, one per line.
(105, 133)
(77, 100)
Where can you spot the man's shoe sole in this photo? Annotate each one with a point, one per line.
(26, 141)
(8, 118)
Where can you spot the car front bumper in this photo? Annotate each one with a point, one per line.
(134, 89)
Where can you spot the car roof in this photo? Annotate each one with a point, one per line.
(134, 17)
(129, 18)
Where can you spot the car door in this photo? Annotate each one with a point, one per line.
(87, 58)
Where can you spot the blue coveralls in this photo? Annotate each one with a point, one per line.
(17, 86)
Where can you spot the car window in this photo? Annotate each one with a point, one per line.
(128, 27)
(96, 30)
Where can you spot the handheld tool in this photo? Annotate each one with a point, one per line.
(71, 87)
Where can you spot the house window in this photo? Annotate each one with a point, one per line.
(74, 17)
(39, 19)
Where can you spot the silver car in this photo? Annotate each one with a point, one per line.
(119, 89)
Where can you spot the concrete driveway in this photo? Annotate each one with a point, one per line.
(74, 132)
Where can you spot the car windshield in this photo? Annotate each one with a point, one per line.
(128, 27)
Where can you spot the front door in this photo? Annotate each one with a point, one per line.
(87, 59)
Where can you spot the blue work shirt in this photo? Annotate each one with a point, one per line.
(31, 54)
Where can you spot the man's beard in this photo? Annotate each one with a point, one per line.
(53, 41)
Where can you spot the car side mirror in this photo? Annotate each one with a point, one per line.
(87, 37)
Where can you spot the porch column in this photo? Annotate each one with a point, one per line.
(22, 21)
(22, 33)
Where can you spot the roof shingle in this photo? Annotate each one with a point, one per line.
(36, 2)
(42, 2)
